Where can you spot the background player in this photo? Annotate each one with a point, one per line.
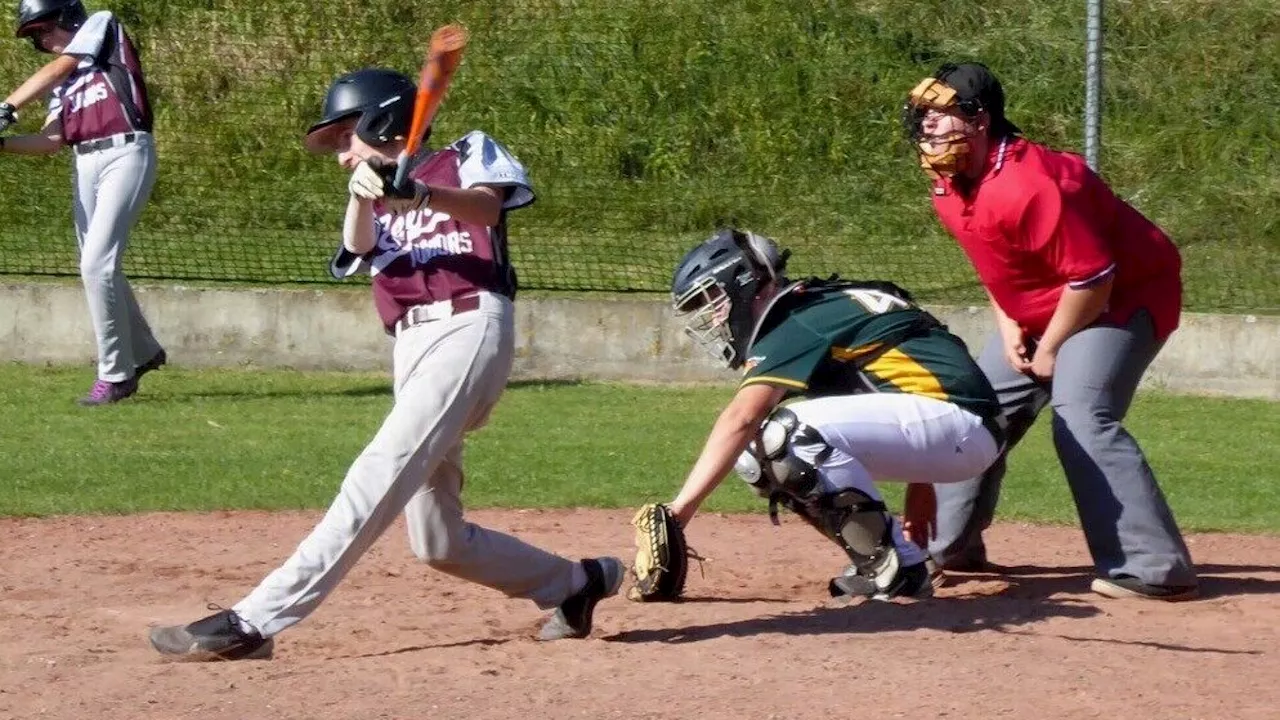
(98, 106)
(443, 287)
(889, 395)
(1085, 291)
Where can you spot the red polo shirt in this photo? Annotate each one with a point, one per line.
(1040, 220)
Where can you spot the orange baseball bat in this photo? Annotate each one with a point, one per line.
(443, 58)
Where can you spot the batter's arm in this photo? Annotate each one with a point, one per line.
(357, 227)
(480, 204)
(43, 80)
(733, 431)
(47, 142)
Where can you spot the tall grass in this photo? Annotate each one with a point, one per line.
(645, 124)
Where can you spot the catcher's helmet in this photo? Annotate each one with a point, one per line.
(383, 100)
(717, 282)
(68, 14)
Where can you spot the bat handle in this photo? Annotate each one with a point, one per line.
(402, 170)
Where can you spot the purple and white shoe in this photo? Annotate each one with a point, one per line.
(105, 392)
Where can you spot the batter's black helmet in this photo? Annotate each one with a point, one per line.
(383, 100)
(68, 14)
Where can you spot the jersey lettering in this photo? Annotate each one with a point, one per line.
(82, 99)
(450, 243)
(415, 234)
(876, 301)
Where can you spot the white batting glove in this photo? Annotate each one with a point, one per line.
(366, 183)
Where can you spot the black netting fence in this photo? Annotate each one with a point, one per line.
(645, 124)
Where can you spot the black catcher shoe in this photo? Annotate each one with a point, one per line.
(912, 581)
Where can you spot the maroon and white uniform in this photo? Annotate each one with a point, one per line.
(443, 288)
(106, 94)
(105, 117)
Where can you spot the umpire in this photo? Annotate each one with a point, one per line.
(1085, 291)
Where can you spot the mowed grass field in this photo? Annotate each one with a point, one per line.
(230, 439)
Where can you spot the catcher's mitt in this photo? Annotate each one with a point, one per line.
(662, 556)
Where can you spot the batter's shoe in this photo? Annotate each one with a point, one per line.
(217, 637)
(573, 618)
(105, 392)
(155, 363)
(1126, 587)
(912, 581)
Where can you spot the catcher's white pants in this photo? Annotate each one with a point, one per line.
(894, 437)
(111, 188)
(448, 375)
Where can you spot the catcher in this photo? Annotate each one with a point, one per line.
(882, 392)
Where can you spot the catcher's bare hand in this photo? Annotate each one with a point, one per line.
(920, 514)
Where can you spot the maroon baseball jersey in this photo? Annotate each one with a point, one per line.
(105, 94)
(1041, 220)
(423, 256)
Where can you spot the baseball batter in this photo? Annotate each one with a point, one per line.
(883, 392)
(97, 106)
(443, 287)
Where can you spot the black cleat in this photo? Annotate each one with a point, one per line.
(573, 618)
(217, 637)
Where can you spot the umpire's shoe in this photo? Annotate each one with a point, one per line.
(217, 637)
(573, 618)
(1128, 586)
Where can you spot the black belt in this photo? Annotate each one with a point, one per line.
(89, 146)
(420, 314)
(992, 424)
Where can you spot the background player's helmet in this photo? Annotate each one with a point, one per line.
(382, 99)
(716, 285)
(66, 14)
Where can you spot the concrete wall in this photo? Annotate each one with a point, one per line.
(558, 338)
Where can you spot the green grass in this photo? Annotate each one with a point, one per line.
(646, 123)
(202, 440)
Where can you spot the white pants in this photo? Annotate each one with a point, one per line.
(111, 188)
(894, 437)
(448, 375)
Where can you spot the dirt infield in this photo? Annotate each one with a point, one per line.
(757, 638)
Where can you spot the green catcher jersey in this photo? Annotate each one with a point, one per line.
(823, 338)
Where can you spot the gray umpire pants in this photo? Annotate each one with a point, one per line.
(111, 188)
(1127, 523)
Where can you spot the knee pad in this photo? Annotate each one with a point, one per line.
(860, 525)
(863, 529)
(769, 464)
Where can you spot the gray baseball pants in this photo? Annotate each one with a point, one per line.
(111, 188)
(1127, 523)
(449, 374)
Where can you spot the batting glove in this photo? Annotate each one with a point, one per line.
(366, 183)
(8, 116)
(377, 183)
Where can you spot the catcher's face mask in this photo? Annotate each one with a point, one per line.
(716, 285)
(941, 128)
(708, 307)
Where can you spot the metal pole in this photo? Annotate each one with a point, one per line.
(1093, 83)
